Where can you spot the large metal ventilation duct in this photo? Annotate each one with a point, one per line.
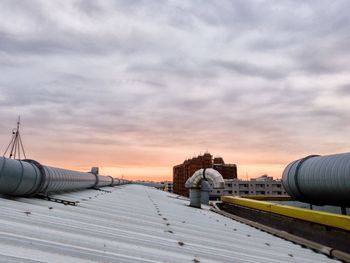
(28, 177)
(320, 180)
(199, 186)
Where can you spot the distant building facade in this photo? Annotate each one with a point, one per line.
(228, 171)
(168, 187)
(185, 170)
(263, 185)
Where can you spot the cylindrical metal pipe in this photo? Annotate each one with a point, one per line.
(199, 186)
(116, 181)
(28, 177)
(59, 180)
(208, 174)
(195, 197)
(321, 180)
(18, 177)
(112, 180)
(205, 189)
(104, 181)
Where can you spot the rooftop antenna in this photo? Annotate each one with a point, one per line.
(16, 146)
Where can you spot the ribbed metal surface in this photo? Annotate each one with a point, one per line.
(58, 179)
(18, 177)
(104, 181)
(28, 177)
(319, 179)
(134, 224)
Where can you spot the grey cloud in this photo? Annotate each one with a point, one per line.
(249, 69)
(90, 7)
(182, 66)
(177, 74)
(343, 90)
(266, 43)
(229, 13)
(318, 59)
(60, 43)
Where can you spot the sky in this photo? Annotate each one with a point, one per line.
(136, 87)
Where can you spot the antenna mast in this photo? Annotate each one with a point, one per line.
(16, 146)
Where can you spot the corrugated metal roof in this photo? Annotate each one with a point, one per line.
(133, 224)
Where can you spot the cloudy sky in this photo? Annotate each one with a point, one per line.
(138, 86)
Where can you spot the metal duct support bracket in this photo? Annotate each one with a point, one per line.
(56, 200)
(296, 175)
(42, 172)
(102, 190)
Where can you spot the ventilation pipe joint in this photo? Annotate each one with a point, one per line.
(199, 186)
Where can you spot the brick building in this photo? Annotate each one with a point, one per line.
(228, 171)
(185, 170)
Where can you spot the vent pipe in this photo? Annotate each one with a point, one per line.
(199, 186)
(29, 177)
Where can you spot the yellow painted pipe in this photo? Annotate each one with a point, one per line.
(324, 218)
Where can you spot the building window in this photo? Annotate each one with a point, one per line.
(229, 185)
(218, 192)
(230, 192)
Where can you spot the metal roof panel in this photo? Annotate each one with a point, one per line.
(133, 223)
